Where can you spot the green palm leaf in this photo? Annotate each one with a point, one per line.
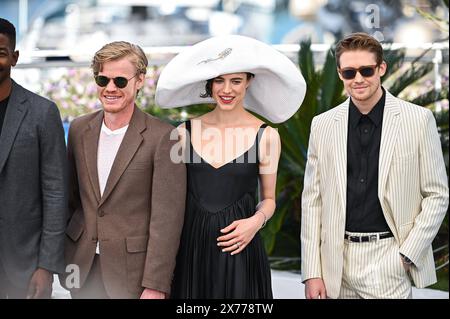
(431, 97)
(409, 77)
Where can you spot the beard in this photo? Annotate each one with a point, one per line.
(5, 74)
(367, 95)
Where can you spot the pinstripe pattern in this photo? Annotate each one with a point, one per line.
(374, 270)
(412, 189)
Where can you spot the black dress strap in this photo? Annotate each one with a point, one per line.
(189, 155)
(259, 136)
(187, 124)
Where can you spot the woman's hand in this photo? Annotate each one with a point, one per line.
(240, 233)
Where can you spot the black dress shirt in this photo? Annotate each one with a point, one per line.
(3, 105)
(364, 213)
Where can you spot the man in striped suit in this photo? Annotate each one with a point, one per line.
(375, 189)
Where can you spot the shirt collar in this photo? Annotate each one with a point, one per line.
(5, 100)
(119, 131)
(375, 115)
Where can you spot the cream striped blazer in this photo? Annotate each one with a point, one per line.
(412, 189)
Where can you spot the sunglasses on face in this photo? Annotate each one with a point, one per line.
(366, 71)
(119, 81)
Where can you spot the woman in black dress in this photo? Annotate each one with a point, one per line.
(228, 152)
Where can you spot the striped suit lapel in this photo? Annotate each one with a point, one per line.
(389, 134)
(340, 134)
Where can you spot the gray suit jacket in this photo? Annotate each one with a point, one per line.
(32, 187)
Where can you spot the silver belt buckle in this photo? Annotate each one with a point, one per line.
(373, 238)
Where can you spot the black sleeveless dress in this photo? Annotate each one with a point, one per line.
(216, 198)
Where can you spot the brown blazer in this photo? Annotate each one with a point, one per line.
(139, 218)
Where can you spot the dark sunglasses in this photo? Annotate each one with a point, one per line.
(366, 71)
(119, 81)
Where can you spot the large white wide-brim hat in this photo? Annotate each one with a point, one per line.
(276, 92)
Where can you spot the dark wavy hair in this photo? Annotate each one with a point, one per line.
(209, 83)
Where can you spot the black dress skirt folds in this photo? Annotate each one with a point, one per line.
(216, 197)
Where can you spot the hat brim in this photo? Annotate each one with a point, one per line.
(276, 92)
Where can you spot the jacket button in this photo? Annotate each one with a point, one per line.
(101, 213)
(94, 239)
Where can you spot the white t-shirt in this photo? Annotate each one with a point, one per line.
(108, 146)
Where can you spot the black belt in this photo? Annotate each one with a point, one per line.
(367, 238)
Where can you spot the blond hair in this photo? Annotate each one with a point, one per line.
(118, 50)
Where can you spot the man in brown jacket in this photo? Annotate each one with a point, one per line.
(127, 196)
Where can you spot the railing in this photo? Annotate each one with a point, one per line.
(162, 55)
(36, 67)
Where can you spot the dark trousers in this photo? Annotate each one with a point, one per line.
(93, 287)
(7, 288)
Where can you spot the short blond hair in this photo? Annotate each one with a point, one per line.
(118, 50)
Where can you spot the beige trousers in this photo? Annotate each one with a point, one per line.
(374, 270)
